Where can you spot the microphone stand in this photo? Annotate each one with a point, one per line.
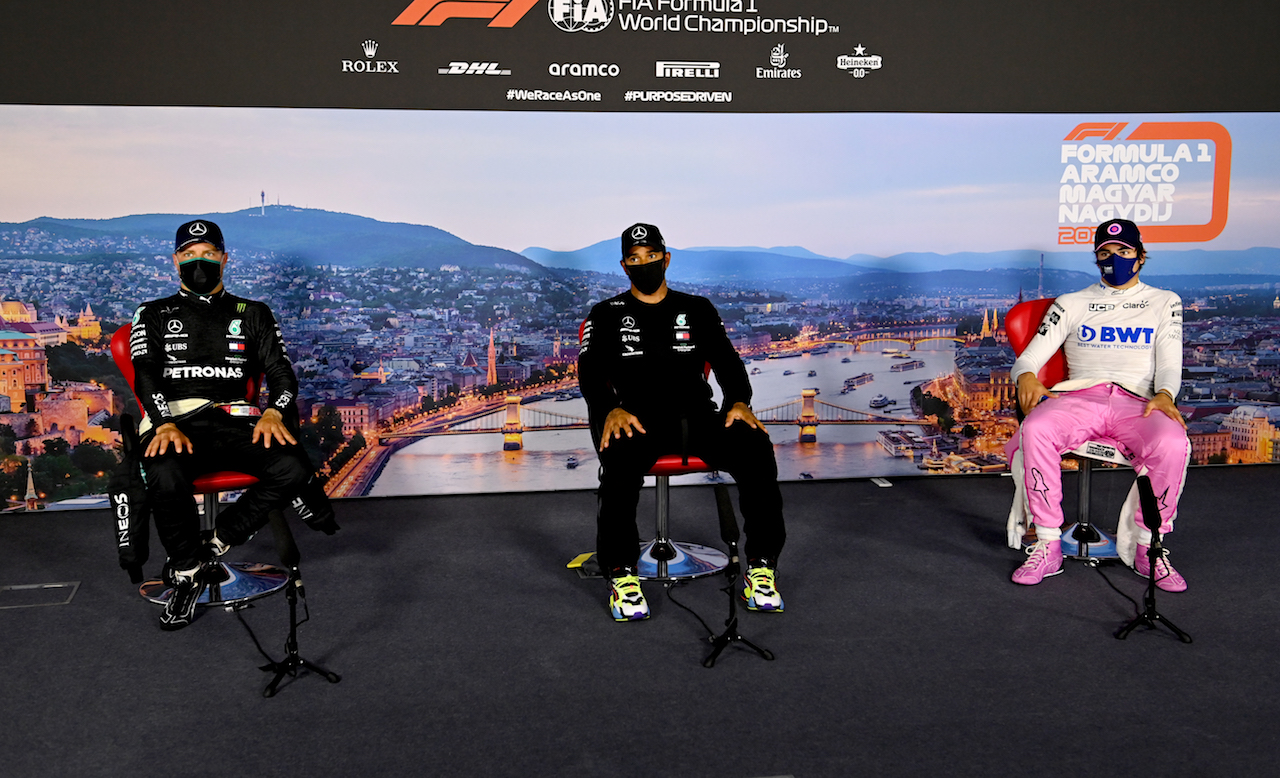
(1150, 616)
(729, 533)
(292, 661)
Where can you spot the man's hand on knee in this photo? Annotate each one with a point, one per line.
(619, 421)
(1164, 403)
(168, 435)
(742, 412)
(271, 426)
(1031, 391)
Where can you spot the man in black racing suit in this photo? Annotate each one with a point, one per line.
(194, 354)
(641, 370)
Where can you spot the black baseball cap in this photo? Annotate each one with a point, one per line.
(1120, 231)
(198, 231)
(642, 235)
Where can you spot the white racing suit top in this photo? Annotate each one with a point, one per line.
(1130, 337)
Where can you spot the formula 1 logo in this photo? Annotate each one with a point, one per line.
(433, 13)
(1107, 176)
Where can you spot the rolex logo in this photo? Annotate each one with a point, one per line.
(369, 64)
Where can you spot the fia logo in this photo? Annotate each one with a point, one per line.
(580, 15)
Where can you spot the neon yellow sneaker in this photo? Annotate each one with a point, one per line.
(626, 600)
(760, 590)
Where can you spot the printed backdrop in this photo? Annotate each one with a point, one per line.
(864, 191)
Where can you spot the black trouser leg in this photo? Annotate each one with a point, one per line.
(622, 468)
(174, 508)
(747, 455)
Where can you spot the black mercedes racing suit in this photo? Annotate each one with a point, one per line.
(194, 357)
(649, 359)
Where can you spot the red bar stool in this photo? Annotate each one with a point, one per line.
(664, 559)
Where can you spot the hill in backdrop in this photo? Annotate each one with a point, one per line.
(723, 263)
(309, 235)
(318, 237)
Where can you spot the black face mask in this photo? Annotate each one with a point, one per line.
(647, 278)
(200, 276)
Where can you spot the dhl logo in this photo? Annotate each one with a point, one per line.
(433, 13)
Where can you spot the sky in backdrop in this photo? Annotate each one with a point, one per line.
(836, 184)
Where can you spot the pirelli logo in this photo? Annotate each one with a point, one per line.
(433, 13)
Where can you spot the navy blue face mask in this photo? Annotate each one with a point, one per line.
(1118, 270)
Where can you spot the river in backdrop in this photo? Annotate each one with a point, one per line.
(459, 464)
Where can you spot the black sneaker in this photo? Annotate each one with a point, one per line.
(180, 608)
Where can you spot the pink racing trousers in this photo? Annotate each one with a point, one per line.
(1108, 412)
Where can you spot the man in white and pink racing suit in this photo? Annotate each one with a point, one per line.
(1123, 344)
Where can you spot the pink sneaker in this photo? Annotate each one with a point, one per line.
(1166, 577)
(1044, 559)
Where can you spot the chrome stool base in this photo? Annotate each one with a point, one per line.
(1096, 545)
(229, 583)
(686, 560)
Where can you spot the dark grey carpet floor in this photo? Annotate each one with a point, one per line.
(467, 649)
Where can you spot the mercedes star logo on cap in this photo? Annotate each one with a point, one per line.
(639, 232)
(198, 228)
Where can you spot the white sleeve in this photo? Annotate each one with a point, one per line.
(1169, 347)
(1052, 333)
